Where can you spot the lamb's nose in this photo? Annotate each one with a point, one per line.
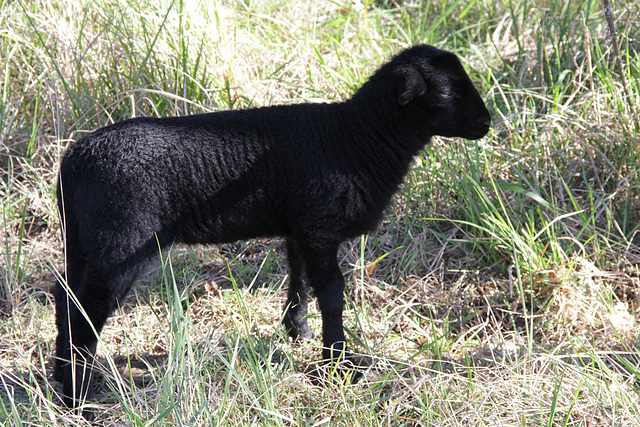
(486, 121)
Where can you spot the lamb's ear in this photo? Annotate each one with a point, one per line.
(412, 85)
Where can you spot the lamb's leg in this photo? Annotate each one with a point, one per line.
(76, 342)
(325, 277)
(330, 301)
(72, 274)
(97, 292)
(295, 319)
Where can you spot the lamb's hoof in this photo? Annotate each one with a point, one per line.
(299, 332)
(78, 404)
(86, 413)
(347, 371)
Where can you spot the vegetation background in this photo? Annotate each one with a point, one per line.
(502, 289)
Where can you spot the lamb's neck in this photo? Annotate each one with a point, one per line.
(390, 139)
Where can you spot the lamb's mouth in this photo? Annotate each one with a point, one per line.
(476, 132)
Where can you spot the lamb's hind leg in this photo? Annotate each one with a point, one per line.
(73, 275)
(96, 291)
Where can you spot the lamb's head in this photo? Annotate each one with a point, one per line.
(433, 87)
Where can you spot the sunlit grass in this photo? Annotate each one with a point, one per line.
(501, 288)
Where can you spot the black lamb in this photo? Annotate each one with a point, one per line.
(315, 174)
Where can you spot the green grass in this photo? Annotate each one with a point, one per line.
(503, 287)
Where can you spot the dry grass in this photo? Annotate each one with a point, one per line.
(503, 287)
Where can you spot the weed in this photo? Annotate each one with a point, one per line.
(501, 288)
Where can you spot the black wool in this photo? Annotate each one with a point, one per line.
(314, 174)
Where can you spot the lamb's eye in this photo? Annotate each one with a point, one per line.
(445, 94)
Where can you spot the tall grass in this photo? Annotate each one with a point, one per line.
(501, 289)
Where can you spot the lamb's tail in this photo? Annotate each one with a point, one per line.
(63, 194)
(66, 213)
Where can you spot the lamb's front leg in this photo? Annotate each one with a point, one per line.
(331, 303)
(295, 315)
(325, 278)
